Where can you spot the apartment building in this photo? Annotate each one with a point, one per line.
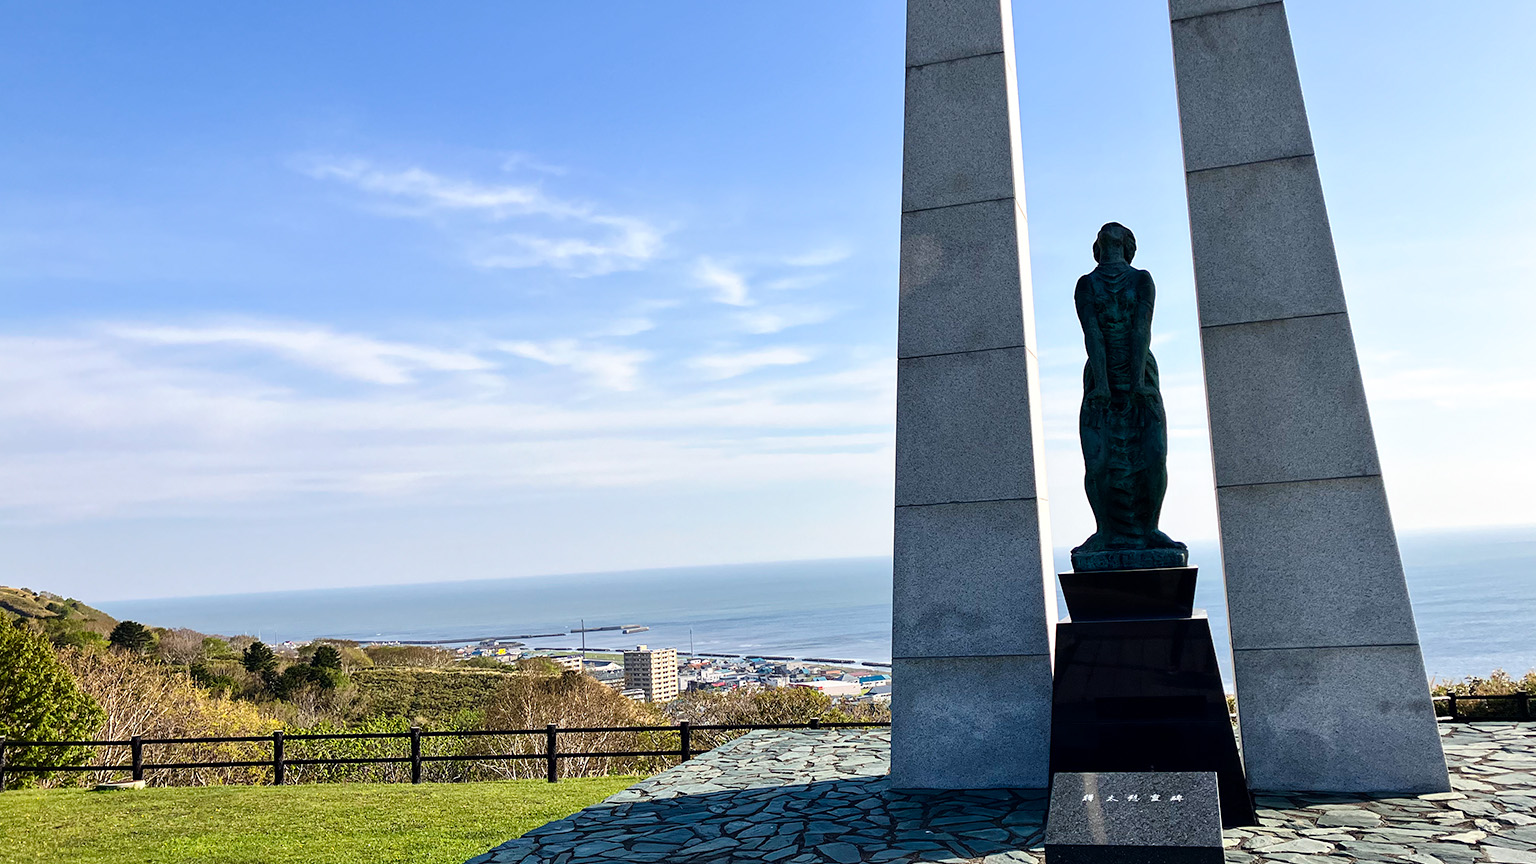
(652, 671)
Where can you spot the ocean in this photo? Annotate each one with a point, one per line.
(1474, 598)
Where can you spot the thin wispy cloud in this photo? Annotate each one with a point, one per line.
(95, 426)
(629, 245)
(774, 320)
(611, 368)
(552, 232)
(529, 162)
(721, 366)
(344, 355)
(797, 282)
(729, 283)
(730, 287)
(431, 191)
(628, 327)
(820, 257)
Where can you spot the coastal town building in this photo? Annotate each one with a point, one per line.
(652, 671)
(832, 688)
(605, 671)
(567, 662)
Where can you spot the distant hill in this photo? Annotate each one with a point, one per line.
(52, 613)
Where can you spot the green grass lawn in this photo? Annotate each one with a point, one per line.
(335, 823)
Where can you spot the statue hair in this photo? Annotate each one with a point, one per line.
(1116, 231)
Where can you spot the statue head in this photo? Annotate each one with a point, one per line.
(1114, 236)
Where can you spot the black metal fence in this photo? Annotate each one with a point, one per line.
(1462, 707)
(279, 763)
(1459, 707)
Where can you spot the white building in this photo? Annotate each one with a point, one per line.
(567, 662)
(833, 688)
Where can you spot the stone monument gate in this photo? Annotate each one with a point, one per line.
(975, 599)
(1330, 679)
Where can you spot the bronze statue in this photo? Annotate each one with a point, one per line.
(1124, 430)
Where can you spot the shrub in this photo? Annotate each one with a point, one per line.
(572, 699)
(300, 676)
(142, 697)
(41, 701)
(352, 657)
(485, 663)
(65, 636)
(781, 705)
(215, 682)
(423, 695)
(1497, 683)
(537, 666)
(372, 748)
(214, 648)
(408, 655)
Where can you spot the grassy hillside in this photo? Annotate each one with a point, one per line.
(351, 823)
(52, 613)
(427, 694)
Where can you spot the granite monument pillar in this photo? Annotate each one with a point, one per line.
(974, 597)
(1330, 681)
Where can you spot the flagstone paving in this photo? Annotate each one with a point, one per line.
(807, 797)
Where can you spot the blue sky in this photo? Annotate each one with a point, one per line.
(379, 292)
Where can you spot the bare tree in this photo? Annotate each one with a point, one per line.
(570, 700)
(145, 698)
(418, 656)
(181, 646)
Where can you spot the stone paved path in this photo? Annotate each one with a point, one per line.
(803, 797)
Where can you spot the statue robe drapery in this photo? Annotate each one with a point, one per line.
(1124, 431)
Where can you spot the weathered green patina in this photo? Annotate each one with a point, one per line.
(1124, 430)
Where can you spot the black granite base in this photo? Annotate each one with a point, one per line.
(1145, 694)
(1134, 819)
(1112, 595)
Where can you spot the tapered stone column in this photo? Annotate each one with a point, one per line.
(975, 597)
(1330, 681)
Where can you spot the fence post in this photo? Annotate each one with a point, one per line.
(685, 732)
(1452, 702)
(1525, 706)
(277, 758)
(2, 763)
(415, 754)
(136, 746)
(815, 722)
(551, 753)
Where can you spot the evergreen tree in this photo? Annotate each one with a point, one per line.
(131, 636)
(259, 660)
(326, 657)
